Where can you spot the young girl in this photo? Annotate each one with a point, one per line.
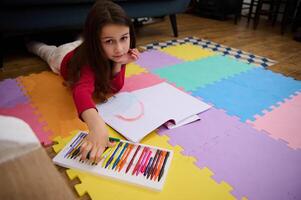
(95, 65)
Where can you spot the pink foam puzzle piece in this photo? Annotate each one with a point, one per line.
(283, 122)
(27, 113)
(140, 81)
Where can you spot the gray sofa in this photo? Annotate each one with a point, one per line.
(155, 8)
(21, 17)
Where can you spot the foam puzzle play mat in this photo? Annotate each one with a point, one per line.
(247, 146)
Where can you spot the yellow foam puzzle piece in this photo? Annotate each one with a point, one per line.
(133, 69)
(188, 52)
(184, 180)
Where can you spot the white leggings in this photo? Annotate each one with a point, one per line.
(53, 55)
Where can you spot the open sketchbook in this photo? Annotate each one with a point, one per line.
(135, 114)
(134, 163)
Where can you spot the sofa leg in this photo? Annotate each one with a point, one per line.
(173, 21)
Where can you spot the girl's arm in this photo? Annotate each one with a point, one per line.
(98, 138)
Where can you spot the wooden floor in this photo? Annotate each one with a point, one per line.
(265, 41)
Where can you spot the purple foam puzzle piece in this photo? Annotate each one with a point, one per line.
(11, 94)
(254, 164)
(154, 59)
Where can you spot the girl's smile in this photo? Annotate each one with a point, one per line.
(118, 56)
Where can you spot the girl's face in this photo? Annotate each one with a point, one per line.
(115, 41)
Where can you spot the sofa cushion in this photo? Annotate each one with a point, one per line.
(43, 19)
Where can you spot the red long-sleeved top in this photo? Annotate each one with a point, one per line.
(83, 89)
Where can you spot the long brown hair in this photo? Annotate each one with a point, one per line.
(90, 51)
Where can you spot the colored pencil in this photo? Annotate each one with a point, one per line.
(153, 163)
(132, 160)
(139, 160)
(159, 165)
(124, 158)
(163, 166)
(119, 157)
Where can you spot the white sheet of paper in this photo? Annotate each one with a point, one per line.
(193, 118)
(144, 110)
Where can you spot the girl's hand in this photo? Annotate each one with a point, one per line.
(94, 144)
(131, 56)
(98, 138)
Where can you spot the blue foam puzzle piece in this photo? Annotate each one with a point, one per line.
(250, 92)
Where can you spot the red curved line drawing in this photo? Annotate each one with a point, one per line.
(129, 119)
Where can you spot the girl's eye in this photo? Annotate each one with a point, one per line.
(124, 38)
(109, 41)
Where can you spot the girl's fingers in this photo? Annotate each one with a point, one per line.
(132, 50)
(93, 153)
(134, 57)
(135, 54)
(101, 150)
(85, 150)
(83, 146)
(135, 51)
(110, 144)
(98, 154)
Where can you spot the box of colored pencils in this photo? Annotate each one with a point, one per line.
(134, 163)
